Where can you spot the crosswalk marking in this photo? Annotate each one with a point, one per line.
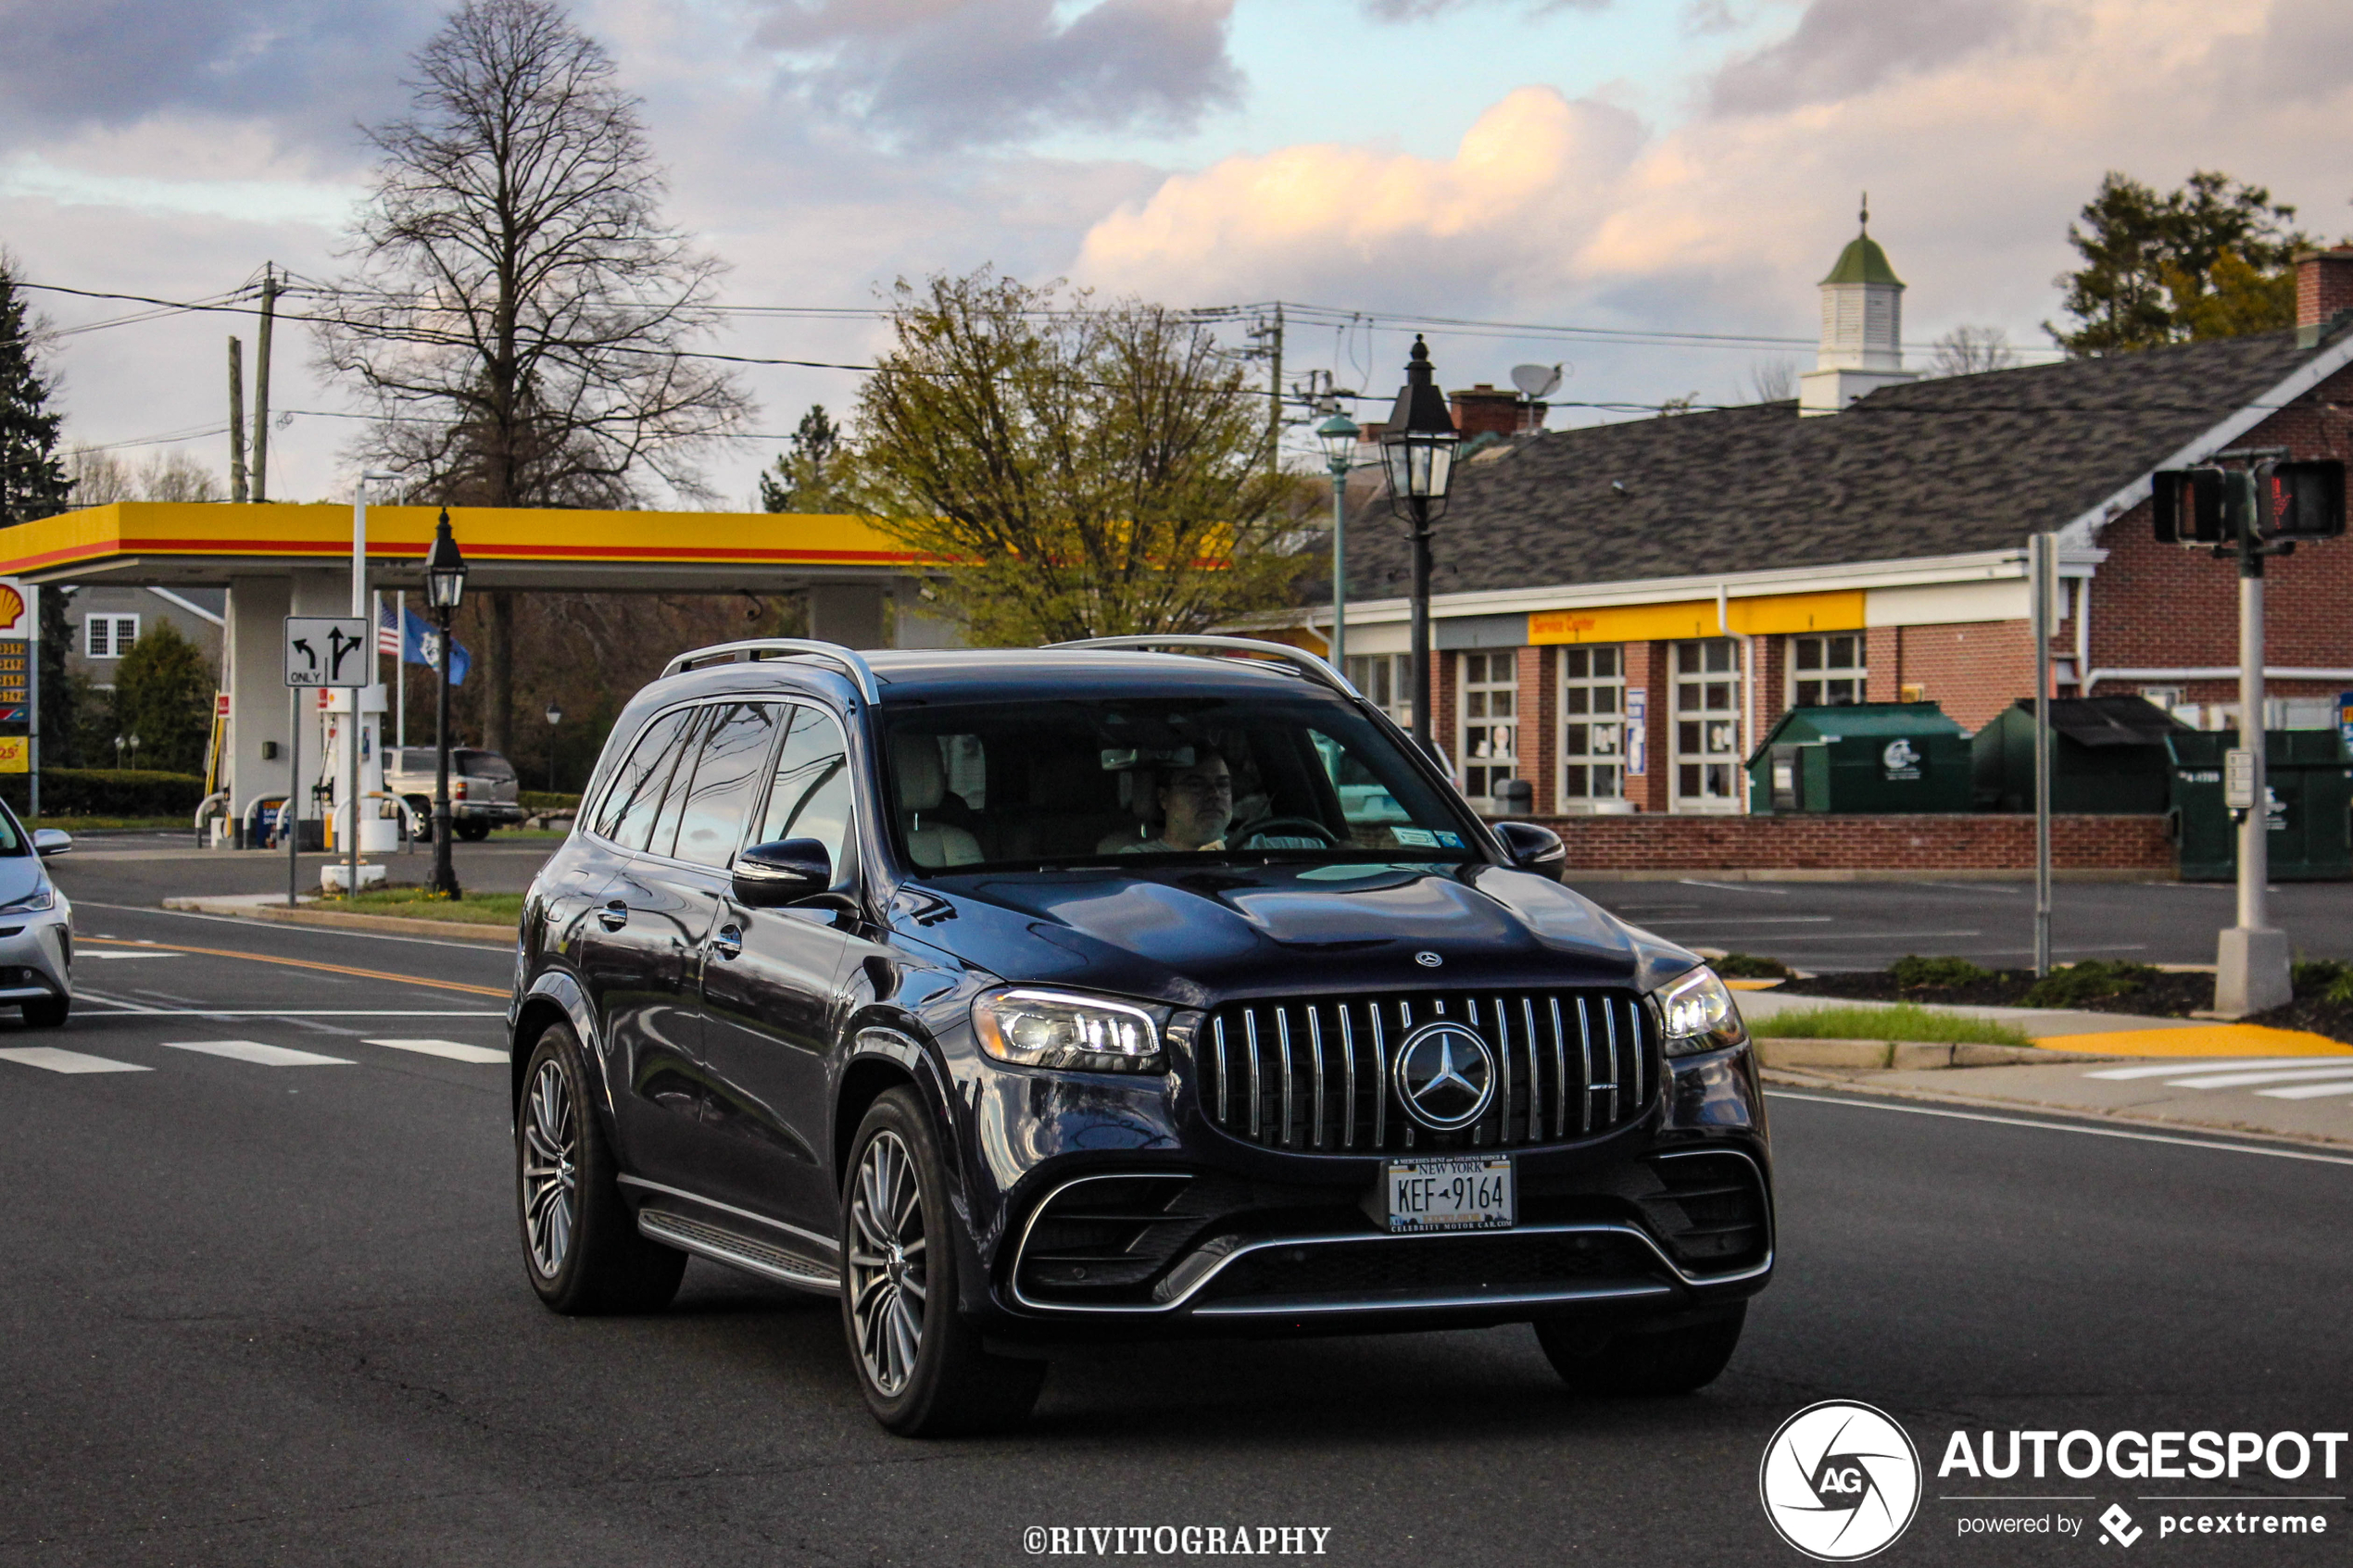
(258, 1053)
(2308, 1091)
(134, 953)
(56, 1060)
(449, 1048)
(2211, 1065)
(2269, 1075)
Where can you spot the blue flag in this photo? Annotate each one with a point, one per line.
(419, 639)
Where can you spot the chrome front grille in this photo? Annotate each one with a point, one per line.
(1316, 1075)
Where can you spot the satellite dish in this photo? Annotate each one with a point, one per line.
(1535, 380)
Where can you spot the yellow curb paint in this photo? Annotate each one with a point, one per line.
(2213, 1039)
(1752, 985)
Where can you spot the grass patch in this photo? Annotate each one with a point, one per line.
(418, 903)
(1901, 1022)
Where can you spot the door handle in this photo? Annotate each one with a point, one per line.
(729, 942)
(613, 916)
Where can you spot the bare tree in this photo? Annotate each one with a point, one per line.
(100, 478)
(1967, 351)
(516, 310)
(1772, 381)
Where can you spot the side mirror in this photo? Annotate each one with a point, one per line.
(769, 876)
(1534, 848)
(51, 841)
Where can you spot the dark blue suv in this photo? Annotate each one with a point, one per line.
(1014, 996)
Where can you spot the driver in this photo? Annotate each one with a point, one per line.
(1196, 806)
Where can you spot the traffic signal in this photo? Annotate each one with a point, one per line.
(2187, 506)
(2299, 500)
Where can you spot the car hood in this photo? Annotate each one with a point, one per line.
(1194, 936)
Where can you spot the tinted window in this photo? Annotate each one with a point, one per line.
(811, 796)
(674, 799)
(627, 814)
(727, 780)
(483, 765)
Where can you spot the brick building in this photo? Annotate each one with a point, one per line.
(1621, 611)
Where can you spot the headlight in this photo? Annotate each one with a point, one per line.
(1698, 1014)
(1056, 1029)
(41, 897)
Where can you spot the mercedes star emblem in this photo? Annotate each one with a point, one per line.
(1445, 1075)
(1428, 959)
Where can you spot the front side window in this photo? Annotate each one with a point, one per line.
(811, 796)
(1826, 670)
(1706, 727)
(1491, 721)
(1592, 723)
(1098, 780)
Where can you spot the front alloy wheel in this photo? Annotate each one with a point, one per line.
(888, 1289)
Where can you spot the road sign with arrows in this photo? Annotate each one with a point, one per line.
(329, 650)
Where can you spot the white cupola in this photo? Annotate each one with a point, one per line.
(1862, 328)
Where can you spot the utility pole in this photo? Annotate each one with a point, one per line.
(1274, 398)
(236, 421)
(261, 384)
(2040, 561)
(2251, 961)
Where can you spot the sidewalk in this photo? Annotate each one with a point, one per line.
(272, 906)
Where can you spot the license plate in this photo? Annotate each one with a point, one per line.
(1472, 1193)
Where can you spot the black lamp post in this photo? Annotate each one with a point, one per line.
(1417, 449)
(445, 586)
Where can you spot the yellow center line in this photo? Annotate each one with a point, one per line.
(303, 963)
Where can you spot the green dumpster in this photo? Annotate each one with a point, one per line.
(1868, 757)
(2310, 782)
(2107, 757)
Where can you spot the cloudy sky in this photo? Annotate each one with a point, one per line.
(1644, 166)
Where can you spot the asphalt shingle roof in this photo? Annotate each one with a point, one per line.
(1929, 467)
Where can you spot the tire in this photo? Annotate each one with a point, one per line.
(1641, 1361)
(919, 1361)
(46, 1014)
(472, 831)
(581, 1246)
(423, 807)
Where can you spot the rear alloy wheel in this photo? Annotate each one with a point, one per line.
(581, 1246)
(1641, 1361)
(920, 1363)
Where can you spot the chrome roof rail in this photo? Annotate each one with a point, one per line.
(861, 674)
(1300, 659)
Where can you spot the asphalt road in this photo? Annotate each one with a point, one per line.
(1831, 925)
(275, 1314)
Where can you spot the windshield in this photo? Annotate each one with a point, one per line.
(1162, 779)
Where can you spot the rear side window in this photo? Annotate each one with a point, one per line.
(626, 814)
(811, 796)
(727, 780)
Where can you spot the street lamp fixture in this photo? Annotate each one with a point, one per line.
(1417, 450)
(445, 587)
(555, 717)
(1339, 436)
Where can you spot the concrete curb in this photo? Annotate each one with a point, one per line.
(388, 925)
(1905, 1055)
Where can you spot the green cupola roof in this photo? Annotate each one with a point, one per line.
(1862, 261)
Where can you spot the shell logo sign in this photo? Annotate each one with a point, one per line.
(11, 609)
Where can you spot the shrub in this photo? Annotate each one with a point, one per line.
(2093, 980)
(111, 792)
(546, 800)
(163, 694)
(1915, 972)
(1749, 966)
(2329, 979)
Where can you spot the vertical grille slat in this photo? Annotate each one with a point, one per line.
(1286, 1073)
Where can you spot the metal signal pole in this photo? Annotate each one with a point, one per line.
(2251, 959)
(2040, 558)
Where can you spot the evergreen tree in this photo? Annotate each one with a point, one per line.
(2213, 258)
(163, 694)
(32, 480)
(802, 480)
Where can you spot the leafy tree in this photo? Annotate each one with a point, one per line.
(803, 479)
(32, 483)
(1080, 470)
(2211, 259)
(163, 694)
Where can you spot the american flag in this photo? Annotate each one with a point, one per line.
(389, 627)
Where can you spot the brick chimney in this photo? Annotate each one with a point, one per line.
(1485, 411)
(2323, 291)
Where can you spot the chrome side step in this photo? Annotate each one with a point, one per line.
(736, 1250)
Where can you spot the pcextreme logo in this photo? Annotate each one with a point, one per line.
(1840, 1481)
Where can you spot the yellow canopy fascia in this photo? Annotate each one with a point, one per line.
(1756, 616)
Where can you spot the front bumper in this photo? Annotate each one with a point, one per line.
(486, 812)
(1124, 1209)
(36, 954)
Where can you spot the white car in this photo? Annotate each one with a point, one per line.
(36, 925)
